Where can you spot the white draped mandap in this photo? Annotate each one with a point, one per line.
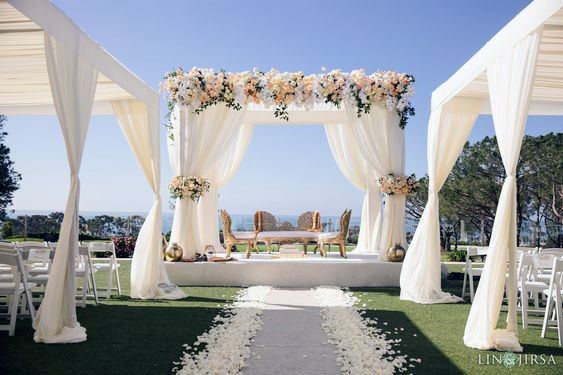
(519, 72)
(212, 144)
(48, 66)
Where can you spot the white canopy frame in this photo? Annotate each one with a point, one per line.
(519, 72)
(212, 129)
(49, 66)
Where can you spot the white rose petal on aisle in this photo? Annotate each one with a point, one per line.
(361, 347)
(227, 343)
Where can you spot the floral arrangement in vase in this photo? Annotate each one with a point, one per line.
(397, 185)
(201, 88)
(193, 187)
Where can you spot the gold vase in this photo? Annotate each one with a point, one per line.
(174, 252)
(396, 253)
(164, 247)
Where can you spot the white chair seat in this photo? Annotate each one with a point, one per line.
(244, 235)
(105, 266)
(39, 279)
(327, 235)
(7, 287)
(535, 286)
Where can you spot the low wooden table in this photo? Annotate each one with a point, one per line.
(303, 237)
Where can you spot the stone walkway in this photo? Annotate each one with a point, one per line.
(292, 340)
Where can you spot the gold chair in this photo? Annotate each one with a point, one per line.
(265, 222)
(232, 238)
(336, 238)
(310, 221)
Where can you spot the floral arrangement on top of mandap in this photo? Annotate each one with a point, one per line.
(397, 185)
(202, 88)
(193, 187)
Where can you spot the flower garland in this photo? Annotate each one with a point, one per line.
(201, 88)
(397, 185)
(361, 347)
(225, 347)
(193, 187)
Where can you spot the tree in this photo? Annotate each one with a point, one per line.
(9, 177)
(472, 190)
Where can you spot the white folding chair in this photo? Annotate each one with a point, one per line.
(529, 287)
(15, 289)
(554, 300)
(110, 264)
(557, 251)
(543, 262)
(469, 271)
(40, 266)
(85, 270)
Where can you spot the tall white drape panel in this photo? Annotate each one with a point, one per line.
(355, 168)
(73, 85)
(222, 173)
(382, 144)
(140, 126)
(448, 130)
(510, 87)
(199, 142)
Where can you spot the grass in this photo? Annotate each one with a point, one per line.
(124, 335)
(146, 337)
(439, 333)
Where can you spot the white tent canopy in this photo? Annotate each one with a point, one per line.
(49, 66)
(518, 72)
(470, 81)
(24, 81)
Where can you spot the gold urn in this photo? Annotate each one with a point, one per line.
(174, 252)
(164, 247)
(396, 253)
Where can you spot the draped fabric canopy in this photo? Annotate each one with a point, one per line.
(49, 66)
(518, 72)
(211, 144)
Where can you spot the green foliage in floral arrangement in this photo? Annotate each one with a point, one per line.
(457, 256)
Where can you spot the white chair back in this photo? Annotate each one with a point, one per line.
(102, 247)
(477, 251)
(543, 261)
(557, 251)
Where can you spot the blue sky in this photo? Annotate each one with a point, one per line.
(287, 169)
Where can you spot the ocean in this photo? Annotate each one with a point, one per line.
(240, 221)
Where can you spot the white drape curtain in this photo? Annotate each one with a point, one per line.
(199, 141)
(382, 144)
(448, 130)
(355, 168)
(140, 125)
(223, 171)
(510, 88)
(73, 85)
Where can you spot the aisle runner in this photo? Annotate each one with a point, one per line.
(292, 340)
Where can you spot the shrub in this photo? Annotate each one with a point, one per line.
(457, 256)
(124, 246)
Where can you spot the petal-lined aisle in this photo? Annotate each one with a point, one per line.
(292, 340)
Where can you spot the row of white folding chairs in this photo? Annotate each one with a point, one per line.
(473, 269)
(38, 257)
(540, 278)
(15, 288)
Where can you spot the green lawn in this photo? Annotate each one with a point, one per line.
(124, 335)
(146, 337)
(439, 333)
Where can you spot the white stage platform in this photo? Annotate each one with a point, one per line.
(358, 270)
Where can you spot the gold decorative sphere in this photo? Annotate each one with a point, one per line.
(174, 252)
(396, 253)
